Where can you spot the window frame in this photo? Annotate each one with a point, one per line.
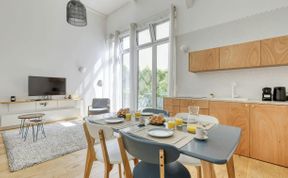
(154, 43)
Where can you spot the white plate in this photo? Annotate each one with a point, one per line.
(114, 120)
(160, 132)
(202, 139)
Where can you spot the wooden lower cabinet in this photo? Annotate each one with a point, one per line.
(269, 133)
(174, 106)
(234, 114)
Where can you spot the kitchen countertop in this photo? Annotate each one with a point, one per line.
(236, 100)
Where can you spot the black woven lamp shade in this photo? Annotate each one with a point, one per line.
(76, 13)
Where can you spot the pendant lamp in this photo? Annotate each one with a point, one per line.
(76, 13)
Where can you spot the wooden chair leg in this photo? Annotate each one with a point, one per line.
(107, 170)
(119, 170)
(88, 165)
(198, 171)
(135, 161)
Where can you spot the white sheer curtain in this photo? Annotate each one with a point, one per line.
(133, 67)
(172, 54)
(112, 72)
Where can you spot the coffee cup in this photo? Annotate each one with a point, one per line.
(201, 132)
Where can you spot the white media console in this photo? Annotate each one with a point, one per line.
(58, 109)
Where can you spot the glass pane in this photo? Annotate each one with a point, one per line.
(162, 73)
(126, 80)
(126, 42)
(144, 37)
(145, 78)
(162, 30)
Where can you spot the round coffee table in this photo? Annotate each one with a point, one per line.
(37, 120)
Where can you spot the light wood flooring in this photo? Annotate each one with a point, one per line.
(72, 166)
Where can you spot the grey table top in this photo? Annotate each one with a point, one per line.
(220, 146)
(218, 149)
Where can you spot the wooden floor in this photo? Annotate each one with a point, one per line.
(72, 166)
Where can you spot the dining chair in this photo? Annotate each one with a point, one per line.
(99, 106)
(190, 161)
(157, 160)
(156, 111)
(107, 151)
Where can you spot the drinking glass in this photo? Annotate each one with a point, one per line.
(193, 114)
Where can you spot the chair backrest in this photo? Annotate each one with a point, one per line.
(156, 111)
(148, 151)
(94, 129)
(101, 103)
(203, 118)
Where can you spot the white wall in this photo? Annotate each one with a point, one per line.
(35, 39)
(250, 81)
(211, 24)
(203, 14)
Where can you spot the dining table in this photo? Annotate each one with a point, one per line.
(217, 149)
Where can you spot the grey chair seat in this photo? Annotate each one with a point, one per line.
(172, 170)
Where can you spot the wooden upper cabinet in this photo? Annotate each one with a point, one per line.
(204, 60)
(240, 56)
(268, 139)
(274, 51)
(237, 115)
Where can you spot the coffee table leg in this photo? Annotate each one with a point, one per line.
(43, 130)
(208, 170)
(26, 132)
(230, 168)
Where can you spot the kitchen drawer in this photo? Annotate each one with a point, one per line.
(46, 105)
(10, 120)
(200, 103)
(3, 108)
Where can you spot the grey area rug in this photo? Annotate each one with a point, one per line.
(62, 138)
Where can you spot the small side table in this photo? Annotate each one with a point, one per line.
(33, 119)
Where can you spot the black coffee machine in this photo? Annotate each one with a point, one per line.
(267, 94)
(279, 94)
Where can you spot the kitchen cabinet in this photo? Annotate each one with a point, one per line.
(171, 105)
(240, 56)
(274, 51)
(268, 137)
(174, 106)
(203, 105)
(204, 60)
(234, 114)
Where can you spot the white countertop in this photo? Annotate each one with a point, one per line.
(237, 100)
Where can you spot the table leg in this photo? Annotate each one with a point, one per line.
(230, 168)
(208, 170)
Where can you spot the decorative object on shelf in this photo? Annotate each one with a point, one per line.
(13, 98)
(76, 13)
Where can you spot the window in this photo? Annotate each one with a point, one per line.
(162, 30)
(153, 52)
(125, 61)
(144, 37)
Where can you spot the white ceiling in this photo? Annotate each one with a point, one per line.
(105, 7)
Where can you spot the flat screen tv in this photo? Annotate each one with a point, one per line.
(46, 86)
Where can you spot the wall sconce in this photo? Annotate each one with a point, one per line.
(184, 48)
(82, 69)
(99, 83)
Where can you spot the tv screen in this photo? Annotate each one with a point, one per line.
(45, 86)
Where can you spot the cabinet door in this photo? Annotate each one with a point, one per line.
(171, 105)
(237, 115)
(240, 56)
(269, 133)
(220, 110)
(274, 51)
(204, 60)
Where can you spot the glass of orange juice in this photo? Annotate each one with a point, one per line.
(178, 121)
(171, 124)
